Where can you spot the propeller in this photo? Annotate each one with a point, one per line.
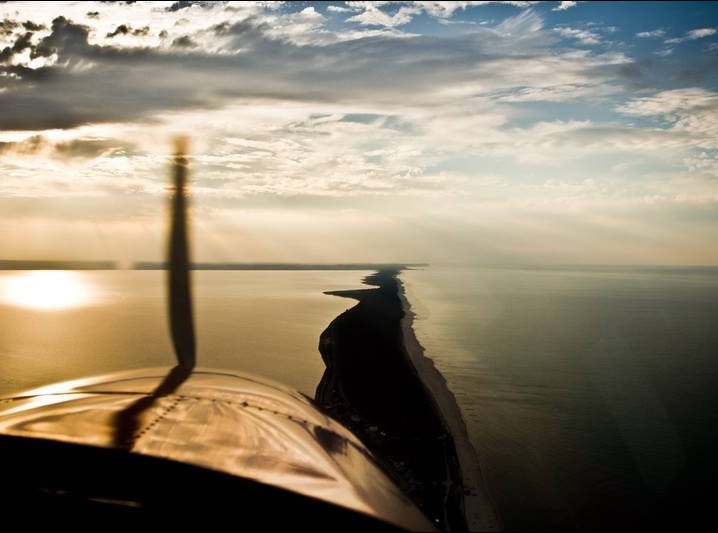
(127, 421)
(178, 277)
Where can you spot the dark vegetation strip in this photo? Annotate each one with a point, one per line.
(370, 385)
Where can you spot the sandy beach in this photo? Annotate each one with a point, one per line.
(478, 506)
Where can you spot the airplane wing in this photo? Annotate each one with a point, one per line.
(68, 442)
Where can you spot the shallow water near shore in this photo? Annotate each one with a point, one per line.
(588, 394)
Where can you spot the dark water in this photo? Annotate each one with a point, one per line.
(591, 396)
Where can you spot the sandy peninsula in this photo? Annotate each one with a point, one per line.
(380, 385)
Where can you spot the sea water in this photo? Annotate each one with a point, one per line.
(589, 394)
(64, 325)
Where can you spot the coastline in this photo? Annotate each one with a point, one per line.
(479, 510)
(370, 385)
(379, 384)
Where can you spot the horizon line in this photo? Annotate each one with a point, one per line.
(51, 264)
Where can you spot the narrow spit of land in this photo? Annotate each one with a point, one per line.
(371, 386)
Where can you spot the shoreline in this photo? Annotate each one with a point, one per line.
(371, 386)
(479, 510)
(381, 386)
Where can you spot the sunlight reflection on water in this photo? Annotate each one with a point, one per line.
(47, 290)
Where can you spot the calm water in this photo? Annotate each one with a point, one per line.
(56, 326)
(590, 395)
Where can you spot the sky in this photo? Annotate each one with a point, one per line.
(440, 132)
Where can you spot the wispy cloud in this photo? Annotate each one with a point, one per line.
(384, 14)
(586, 37)
(690, 113)
(559, 93)
(653, 34)
(692, 35)
(669, 102)
(700, 33)
(300, 117)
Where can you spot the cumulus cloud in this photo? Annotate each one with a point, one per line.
(7, 26)
(125, 29)
(564, 5)
(373, 15)
(184, 42)
(338, 9)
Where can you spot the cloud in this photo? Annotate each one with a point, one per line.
(124, 29)
(66, 37)
(338, 9)
(36, 145)
(689, 113)
(586, 37)
(31, 145)
(651, 34)
(443, 10)
(31, 26)
(649, 73)
(692, 35)
(7, 26)
(184, 42)
(504, 134)
(373, 16)
(525, 26)
(372, 116)
(670, 102)
(253, 60)
(703, 163)
(700, 33)
(562, 6)
(559, 93)
(177, 6)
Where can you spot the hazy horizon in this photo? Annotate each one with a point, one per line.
(49, 264)
(432, 132)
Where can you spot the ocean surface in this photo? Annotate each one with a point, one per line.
(590, 395)
(69, 324)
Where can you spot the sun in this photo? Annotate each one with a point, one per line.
(45, 290)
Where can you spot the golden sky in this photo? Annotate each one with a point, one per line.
(453, 132)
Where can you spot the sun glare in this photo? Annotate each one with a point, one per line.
(46, 290)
